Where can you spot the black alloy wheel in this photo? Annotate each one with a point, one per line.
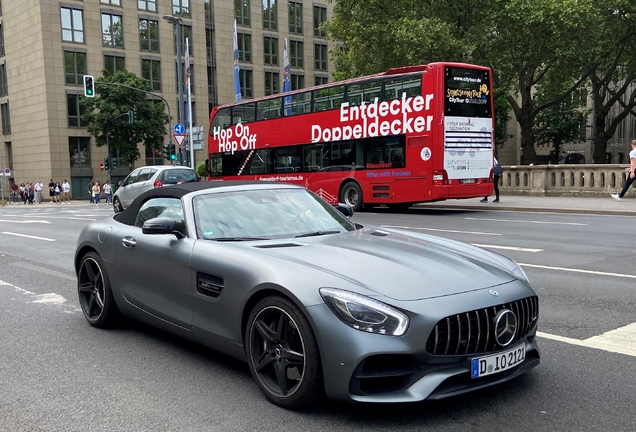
(95, 295)
(283, 353)
(117, 205)
(351, 195)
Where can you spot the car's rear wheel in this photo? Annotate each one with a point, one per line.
(117, 205)
(95, 294)
(283, 353)
(351, 195)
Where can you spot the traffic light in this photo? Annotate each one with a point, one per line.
(173, 153)
(166, 151)
(89, 86)
(107, 164)
(113, 163)
(131, 117)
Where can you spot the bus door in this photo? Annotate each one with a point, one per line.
(418, 186)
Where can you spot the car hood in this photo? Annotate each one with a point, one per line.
(397, 264)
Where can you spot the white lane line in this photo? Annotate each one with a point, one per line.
(441, 230)
(513, 248)
(524, 221)
(25, 221)
(53, 217)
(28, 236)
(47, 299)
(621, 340)
(579, 271)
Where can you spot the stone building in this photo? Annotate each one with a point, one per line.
(46, 46)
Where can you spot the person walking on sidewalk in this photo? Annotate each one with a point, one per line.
(497, 171)
(631, 173)
(107, 192)
(39, 186)
(97, 193)
(66, 192)
(52, 191)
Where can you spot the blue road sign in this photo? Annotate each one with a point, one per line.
(179, 129)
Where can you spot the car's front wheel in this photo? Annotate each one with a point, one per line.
(117, 205)
(283, 353)
(95, 294)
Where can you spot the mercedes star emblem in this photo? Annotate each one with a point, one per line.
(505, 327)
(493, 292)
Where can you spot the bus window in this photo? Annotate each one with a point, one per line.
(222, 119)
(394, 88)
(301, 103)
(269, 109)
(328, 98)
(216, 165)
(316, 157)
(262, 162)
(234, 164)
(364, 92)
(385, 152)
(287, 159)
(244, 113)
(342, 154)
(467, 92)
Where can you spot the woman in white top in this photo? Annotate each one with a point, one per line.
(631, 173)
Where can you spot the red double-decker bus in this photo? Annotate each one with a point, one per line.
(404, 136)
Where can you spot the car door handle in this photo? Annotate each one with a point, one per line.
(129, 242)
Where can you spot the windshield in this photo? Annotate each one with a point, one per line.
(265, 214)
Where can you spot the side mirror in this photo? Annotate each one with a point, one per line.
(120, 183)
(344, 209)
(160, 225)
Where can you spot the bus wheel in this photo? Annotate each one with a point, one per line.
(351, 195)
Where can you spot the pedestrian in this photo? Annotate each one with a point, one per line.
(22, 193)
(107, 192)
(66, 192)
(57, 190)
(52, 191)
(97, 193)
(39, 186)
(14, 192)
(497, 172)
(90, 190)
(631, 173)
(31, 193)
(25, 193)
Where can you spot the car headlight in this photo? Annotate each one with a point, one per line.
(364, 313)
(519, 272)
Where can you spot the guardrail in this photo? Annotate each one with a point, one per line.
(564, 180)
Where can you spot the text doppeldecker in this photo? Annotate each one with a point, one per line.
(398, 116)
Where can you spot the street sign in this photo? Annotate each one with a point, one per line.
(179, 129)
(101, 167)
(7, 172)
(179, 138)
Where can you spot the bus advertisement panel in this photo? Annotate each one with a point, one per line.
(404, 136)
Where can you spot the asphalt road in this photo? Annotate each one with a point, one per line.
(57, 373)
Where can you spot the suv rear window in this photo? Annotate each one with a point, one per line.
(174, 176)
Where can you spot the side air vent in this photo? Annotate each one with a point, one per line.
(379, 233)
(209, 285)
(278, 245)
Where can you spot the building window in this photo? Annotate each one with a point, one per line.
(79, 152)
(320, 80)
(297, 81)
(112, 31)
(111, 2)
(75, 111)
(181, 8)
(114, 64)
(151, 70)
(183, 72)
(74, 67)
(1, 41)
(6, 120)
(320, 57)
(242, 12)
(153, 155)
(272, 83)
(270, 15)
(247, 83)
(72, 25)
(4, 89)
(244, 47)
(295, 17)
(270, 50)
(320, 16)
(296, 54)
(149, 35)
(149, 5)
(186, 32)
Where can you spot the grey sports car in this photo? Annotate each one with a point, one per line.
(316, 304)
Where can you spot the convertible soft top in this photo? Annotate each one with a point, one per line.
(129, 215)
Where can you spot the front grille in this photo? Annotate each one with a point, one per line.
(473, 332)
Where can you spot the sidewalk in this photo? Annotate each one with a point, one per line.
(596, 206)
(47, 203)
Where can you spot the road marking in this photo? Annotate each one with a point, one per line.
(514, 248)
(442, 230)
(25, 221)
(621, 340)
(28, 236)
(50, 298)
(523, 221)
(52, 217)
(580, 271)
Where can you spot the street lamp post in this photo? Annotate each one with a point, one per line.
(177, 23)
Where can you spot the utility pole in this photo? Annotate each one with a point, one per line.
(177, 23)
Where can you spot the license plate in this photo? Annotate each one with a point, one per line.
(492, 364)
(467, 181)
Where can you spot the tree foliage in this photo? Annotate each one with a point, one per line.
(107, 111)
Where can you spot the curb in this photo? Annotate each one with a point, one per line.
(599, 212)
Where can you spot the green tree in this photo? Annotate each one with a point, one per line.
(201, 170)
(111, 102)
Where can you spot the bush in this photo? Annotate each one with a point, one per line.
(200, 169)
